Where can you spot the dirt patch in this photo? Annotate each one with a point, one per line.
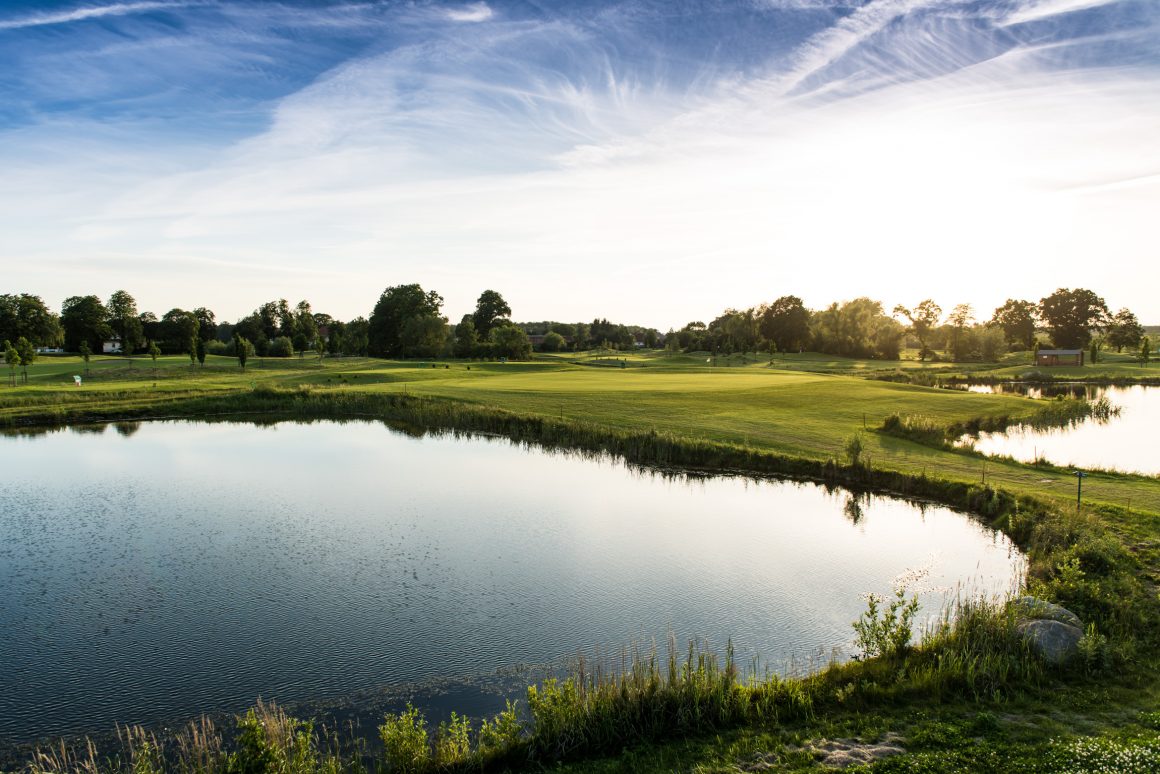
(831, 753)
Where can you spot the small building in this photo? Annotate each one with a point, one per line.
(1059, 357)
(111, 346)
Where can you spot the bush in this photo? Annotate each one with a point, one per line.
(553, 342)
(404, 739)
(885, 632)
(281, 347)
(854, 448)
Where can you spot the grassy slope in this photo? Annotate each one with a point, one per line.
(787, 410)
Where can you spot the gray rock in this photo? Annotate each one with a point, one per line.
(1052, 631)
(1055, 641)
(1032, 609)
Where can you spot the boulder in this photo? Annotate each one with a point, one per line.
(1052, 631)
(1032, 609)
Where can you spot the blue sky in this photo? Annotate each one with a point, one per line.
(652, 162)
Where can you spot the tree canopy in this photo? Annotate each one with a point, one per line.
(84, 318)
(490, 310)
(397, 320)
(1017, 319)
(1071, 316)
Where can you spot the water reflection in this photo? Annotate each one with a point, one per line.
(195, 567)
(1122, 441)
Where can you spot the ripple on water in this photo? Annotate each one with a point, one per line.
(194, 568)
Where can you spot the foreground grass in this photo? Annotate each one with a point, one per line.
(750, 417)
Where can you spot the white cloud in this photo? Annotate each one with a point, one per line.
(588, 189)
(1042, 9)
(90, 12)
(473, 12)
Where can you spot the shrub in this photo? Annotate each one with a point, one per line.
(885, 632)
(404, 738)
(281, 347)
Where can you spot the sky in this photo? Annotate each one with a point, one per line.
(649, 161)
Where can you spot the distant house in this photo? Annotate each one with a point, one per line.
(112, 346)
(1059, 357)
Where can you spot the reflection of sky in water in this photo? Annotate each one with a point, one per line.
(193, 567)
(1125, 442)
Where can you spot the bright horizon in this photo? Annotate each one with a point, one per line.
(629, 160)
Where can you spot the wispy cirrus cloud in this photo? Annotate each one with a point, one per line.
(473, 12)
(1042, 9)
(714, 156)
(92, 12)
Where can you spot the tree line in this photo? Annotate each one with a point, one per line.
(1069, 318)
(407, 321)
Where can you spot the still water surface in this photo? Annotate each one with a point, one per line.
(173, 568)
(1125, 442)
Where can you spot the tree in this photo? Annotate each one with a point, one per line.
(194, 341)
(1124, 330)
(786, 322)
(201, 352)
(466, 338)
(490, 310)
(959, 318)
(26, 315)
(319, 348)
(86, 352)
(154, 353)
(511, 342)
(1072, 315)
(857, 328)
(176, 329)
(12, 358)
(1017, 319)
(424, 336)
(553, 342)
(922, 319)
(124, 321)
(84, 319)
(27, 354)
(305, 327)
(281, 346)
(206, 323)
(396, 307)
(243, 349)
(1145, 350)
(355, 338)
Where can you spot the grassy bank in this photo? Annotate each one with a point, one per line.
(970, 679)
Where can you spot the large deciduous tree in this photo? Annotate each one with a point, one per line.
(786, 322)
(124, 320)
(490, 310)
(26, 315)
(1124, 330)
(206, 323)
(511, 342)
(960, 319)
(176, 330)
(923, 318)
(466, 338)
(1017, 319)
(84, 318)
(1071, 316)
(387, 330)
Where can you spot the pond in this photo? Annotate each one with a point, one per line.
(153, 572)
(1125, 442)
